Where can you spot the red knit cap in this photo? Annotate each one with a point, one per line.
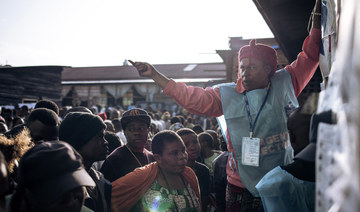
(262, 52)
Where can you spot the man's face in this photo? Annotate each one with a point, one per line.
(96, 149)
(254, 73)
(115, 114)
(203, 146)
(136, 133)
(192, 146)
(167, 117)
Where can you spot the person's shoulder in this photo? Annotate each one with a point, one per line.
(223, 154)
(280, 74)
(96, 175)
(273, 178)
(118, 153)
(277, 171)
(147, 152)
(217, 153)
(189, 173)
(221, 158)
(201, 167)
(120, 150)
(227, 84)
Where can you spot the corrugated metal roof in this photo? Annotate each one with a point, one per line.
(118, 74)
(186, 80)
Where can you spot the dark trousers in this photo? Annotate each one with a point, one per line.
(240, 199)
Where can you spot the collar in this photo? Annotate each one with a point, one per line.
(240, 88)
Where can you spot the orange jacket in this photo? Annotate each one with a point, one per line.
(128, 190)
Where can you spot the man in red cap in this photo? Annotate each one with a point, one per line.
(254, 110)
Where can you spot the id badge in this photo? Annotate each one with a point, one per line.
(250, 151)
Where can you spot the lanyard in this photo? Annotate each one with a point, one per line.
(147, 158)
(252, 126)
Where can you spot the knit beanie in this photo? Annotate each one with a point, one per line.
(262, 52)
(78, 128)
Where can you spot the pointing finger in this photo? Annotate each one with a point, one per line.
(132, 63)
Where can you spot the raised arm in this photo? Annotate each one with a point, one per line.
(304, 67)
(195, 99)
(317, 15)
(147, 70)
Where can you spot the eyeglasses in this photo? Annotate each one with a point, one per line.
(137, 129)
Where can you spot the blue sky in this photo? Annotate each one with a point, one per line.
(106, 32)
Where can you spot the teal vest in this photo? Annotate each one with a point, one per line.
(270, 127)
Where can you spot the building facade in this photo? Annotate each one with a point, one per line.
(122, 86)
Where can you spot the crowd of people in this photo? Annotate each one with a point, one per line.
(76, 154)
(140, 159)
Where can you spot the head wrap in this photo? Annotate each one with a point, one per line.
(262, 52)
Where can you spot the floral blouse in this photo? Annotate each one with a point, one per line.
(158, 198)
